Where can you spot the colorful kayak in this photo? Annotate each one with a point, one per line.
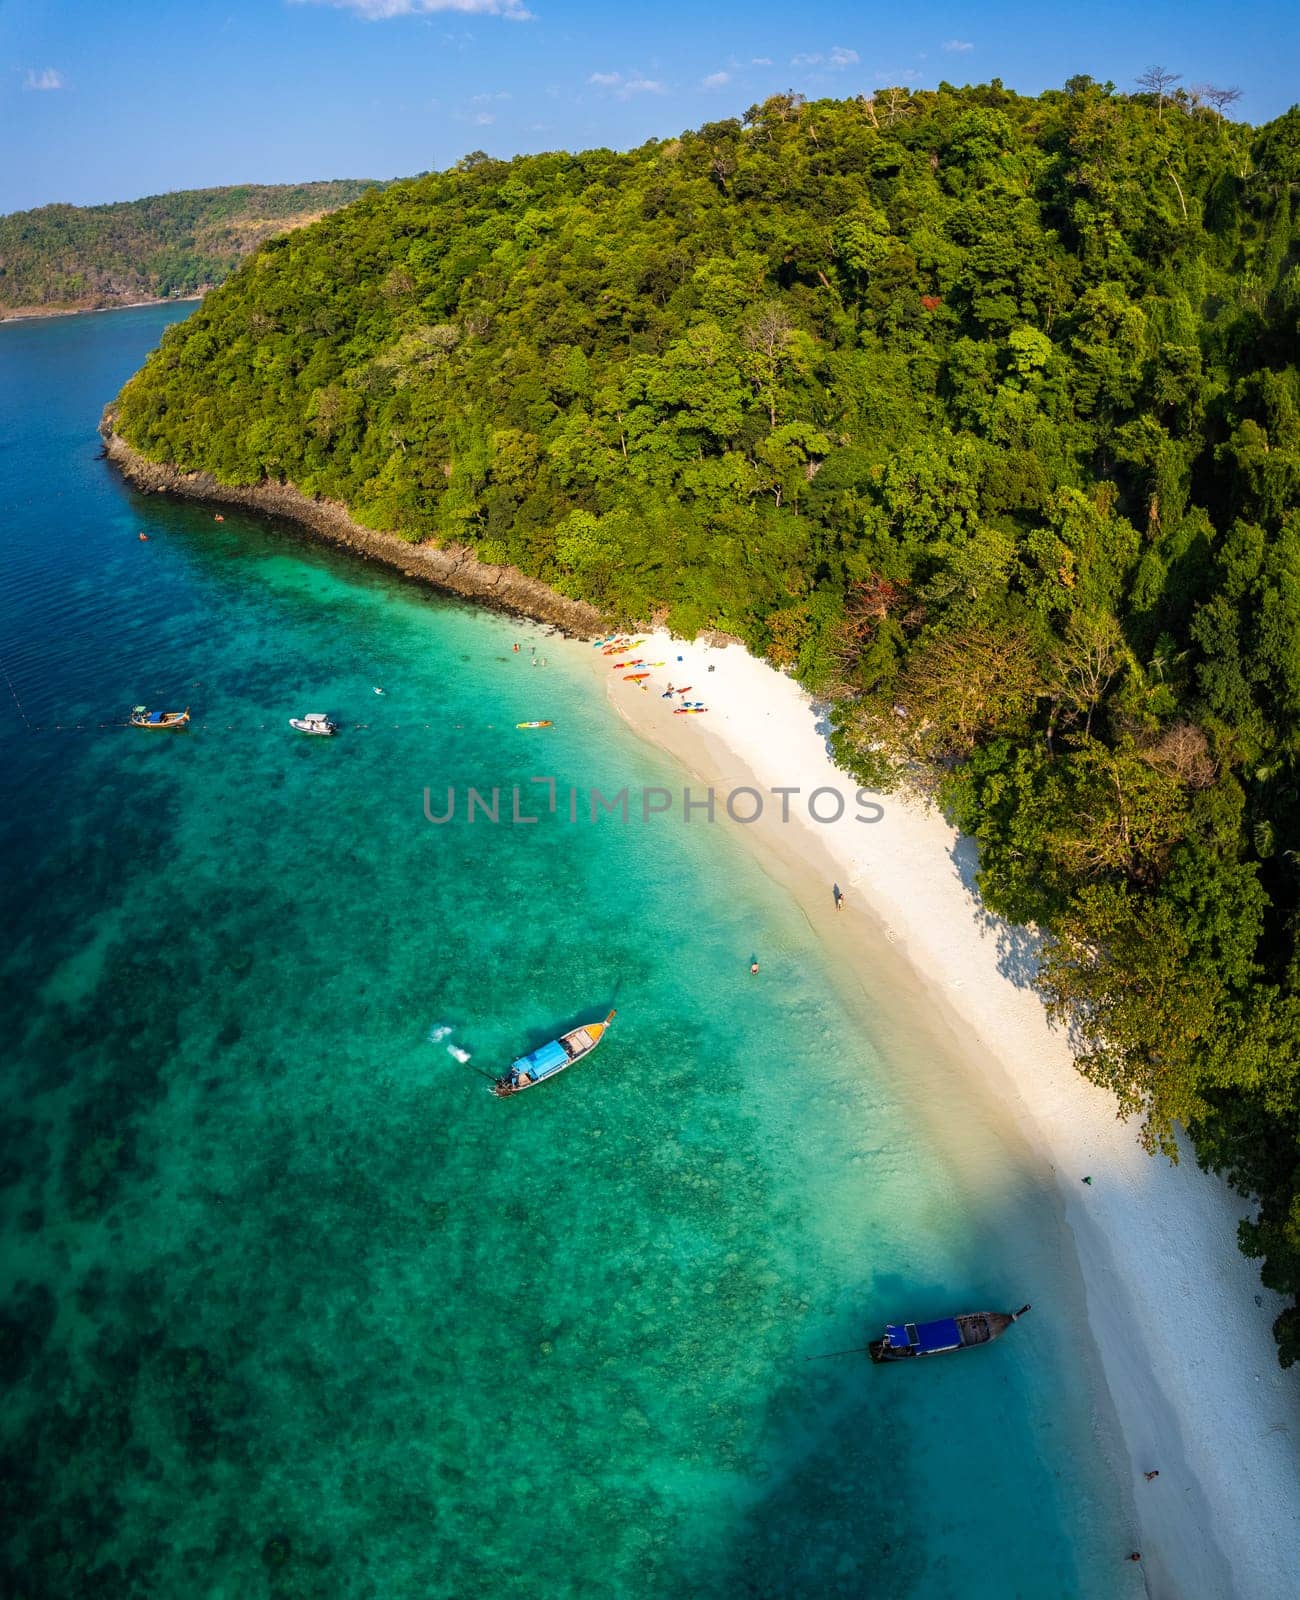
(635, 677)
(689, 711)
(548, 1060)
(534, 724)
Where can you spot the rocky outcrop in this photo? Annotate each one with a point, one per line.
(455, 569)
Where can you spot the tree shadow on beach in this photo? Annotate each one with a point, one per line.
(1019, 948)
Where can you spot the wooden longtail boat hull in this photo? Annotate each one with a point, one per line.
(909, 1340)
(549, 1060)
(169, 719)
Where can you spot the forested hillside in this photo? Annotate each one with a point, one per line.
(979, 412)
(65, 258)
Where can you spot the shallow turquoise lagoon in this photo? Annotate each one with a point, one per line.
(291, 1305)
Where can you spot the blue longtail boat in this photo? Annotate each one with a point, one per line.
(528, 1071)
(905, 1340)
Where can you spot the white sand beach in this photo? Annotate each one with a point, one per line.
(1180, 1321)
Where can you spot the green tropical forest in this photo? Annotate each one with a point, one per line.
(71, 258)
(979, 412)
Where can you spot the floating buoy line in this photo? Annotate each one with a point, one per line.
(21, 711)
(237, 727)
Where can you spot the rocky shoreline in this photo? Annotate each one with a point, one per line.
(38, 313)
(452, 568)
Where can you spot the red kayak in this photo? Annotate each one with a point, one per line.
(635, 677)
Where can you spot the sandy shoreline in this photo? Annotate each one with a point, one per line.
(1186, 1350)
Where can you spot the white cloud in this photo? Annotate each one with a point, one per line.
(957, 46)
(487, 99)
(838, 59)
(716, 80)
(482, 119)
(625, 88)
(49, 78)
(761, 61)
(381, 10)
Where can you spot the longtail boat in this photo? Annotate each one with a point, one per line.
(548, 1059)
(908, 1339)
(142, 717)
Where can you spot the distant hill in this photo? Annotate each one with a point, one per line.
(80, 258)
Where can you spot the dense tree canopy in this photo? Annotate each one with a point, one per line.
(981, 413)
(72, 257)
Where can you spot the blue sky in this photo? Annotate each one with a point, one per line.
(109, 102)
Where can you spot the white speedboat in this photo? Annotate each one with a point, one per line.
(315, 722)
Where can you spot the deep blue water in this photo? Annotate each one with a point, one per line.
(291, 1305)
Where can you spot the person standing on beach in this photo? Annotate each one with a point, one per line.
(839, 898)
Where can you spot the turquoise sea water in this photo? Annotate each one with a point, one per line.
(291, 1305)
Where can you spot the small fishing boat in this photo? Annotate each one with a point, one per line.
(548, 1059)
(534, 724)
(315, 722)
(142, 717)
(909, 1339)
